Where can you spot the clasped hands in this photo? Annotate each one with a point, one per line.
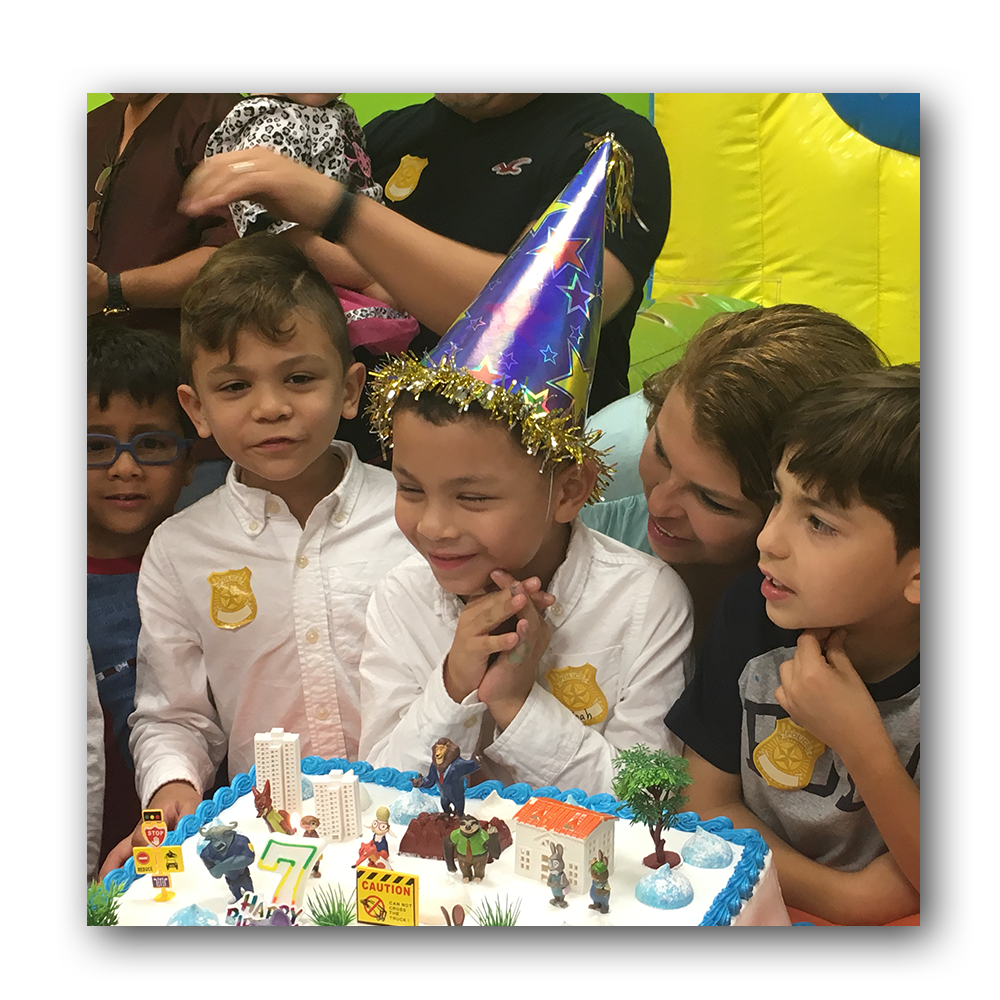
(488, 657)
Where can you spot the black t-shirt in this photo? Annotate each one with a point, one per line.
(708, 716)
(485, 182)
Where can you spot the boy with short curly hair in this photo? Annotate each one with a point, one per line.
(253, 599)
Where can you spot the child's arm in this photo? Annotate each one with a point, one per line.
(875, 895)
(405, 706)
(176, 732)
(547, 744)
(824, 694)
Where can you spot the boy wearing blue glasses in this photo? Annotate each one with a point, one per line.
(138, 461)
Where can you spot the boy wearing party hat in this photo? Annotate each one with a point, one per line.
(515, 631)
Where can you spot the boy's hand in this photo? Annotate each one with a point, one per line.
(475, 641)
(507, 683)
(176, 798)
(821, 691)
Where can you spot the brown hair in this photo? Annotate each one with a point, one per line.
(858, 437)
(439, 411)
(142, 364)
(255, 284)
(741, 370)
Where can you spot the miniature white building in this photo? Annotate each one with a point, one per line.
(337, 801)
(277, 759)
(582, 833)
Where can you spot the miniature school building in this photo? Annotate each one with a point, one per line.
(337, 801)
(276, 758)
(582, 832)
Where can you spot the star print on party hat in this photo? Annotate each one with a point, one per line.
(525, 349)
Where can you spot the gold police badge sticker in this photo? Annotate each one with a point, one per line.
(404, 180)
(232, 604)
(786, 758)
(577, 689)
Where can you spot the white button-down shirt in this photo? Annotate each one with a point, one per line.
(203, 686)
(621, 633)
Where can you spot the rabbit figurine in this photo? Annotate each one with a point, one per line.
(557, 881)
(600, 891)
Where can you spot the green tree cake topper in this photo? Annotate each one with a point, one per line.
(650, 783)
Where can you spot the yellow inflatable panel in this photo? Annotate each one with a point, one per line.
(776, 199)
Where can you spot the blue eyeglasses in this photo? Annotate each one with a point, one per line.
(149, 448)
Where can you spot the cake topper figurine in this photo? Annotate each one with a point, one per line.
(228, 854)
(600, 891)
(381, 830)
(155, 859)
(525, 349)
(375, 852)
(473, 847)
(310, 828)
(557, 881)
(448, 770)
(650, 783)
(277, 820)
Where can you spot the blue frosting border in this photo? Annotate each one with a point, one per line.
(724, 907)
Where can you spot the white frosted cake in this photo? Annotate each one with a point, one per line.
(743, 892)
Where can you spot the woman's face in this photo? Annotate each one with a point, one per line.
(697, 512)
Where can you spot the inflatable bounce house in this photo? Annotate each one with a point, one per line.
(778, 198)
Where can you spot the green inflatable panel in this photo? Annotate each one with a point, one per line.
(664, 326)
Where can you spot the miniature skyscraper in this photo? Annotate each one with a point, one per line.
(276, 756)
(337, 801)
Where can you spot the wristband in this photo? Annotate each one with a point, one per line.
(117, 306)
(338, 222)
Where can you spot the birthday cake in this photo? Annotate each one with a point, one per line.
(553, 836)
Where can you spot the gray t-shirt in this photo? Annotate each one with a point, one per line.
(798, 786)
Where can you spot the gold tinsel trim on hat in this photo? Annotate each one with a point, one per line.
(553, 436)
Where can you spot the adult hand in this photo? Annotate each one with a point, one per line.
(821, 691)
(97, 289)
(287, 189)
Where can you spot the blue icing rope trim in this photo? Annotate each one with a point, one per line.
(726, 904)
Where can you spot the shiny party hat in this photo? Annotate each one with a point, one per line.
(525, 349)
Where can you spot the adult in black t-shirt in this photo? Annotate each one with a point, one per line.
(480, 168)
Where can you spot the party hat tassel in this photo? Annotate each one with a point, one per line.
(620, 181)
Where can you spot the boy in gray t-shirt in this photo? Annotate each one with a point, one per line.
(829, 740)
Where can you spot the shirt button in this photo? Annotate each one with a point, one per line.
(322, 713)
(469, 722)
(253, 525)
(302, 562)
(272, 506)
(339, 517)
(557, 609)
(312, 635)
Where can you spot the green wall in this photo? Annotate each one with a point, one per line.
(367, 106)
